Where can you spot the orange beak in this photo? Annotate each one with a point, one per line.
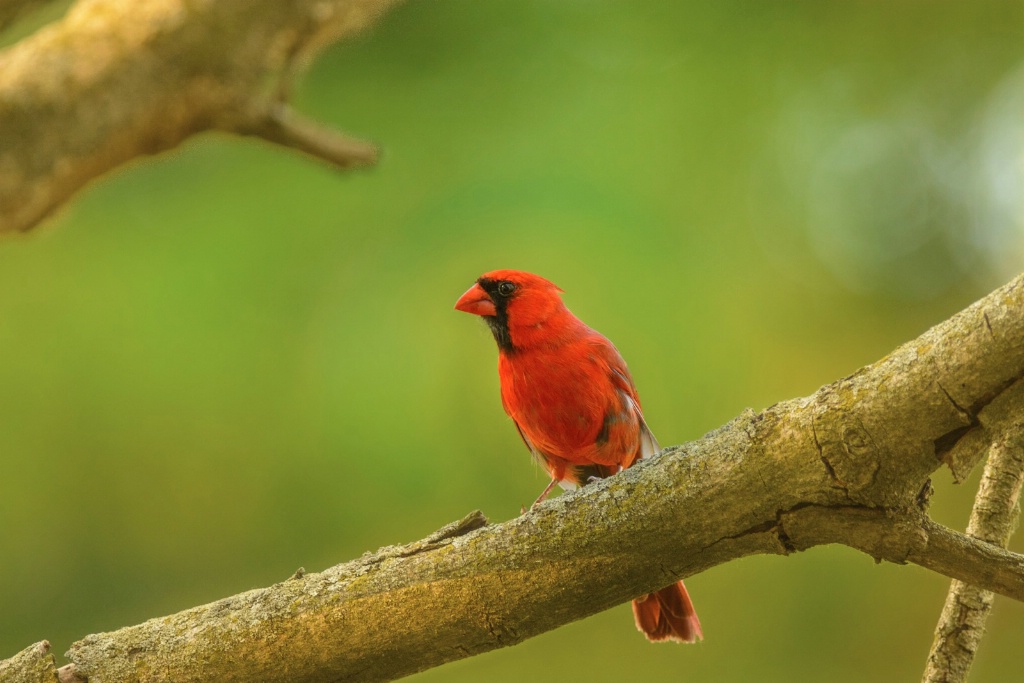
(476, 301)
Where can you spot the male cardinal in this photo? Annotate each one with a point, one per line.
(574, 403)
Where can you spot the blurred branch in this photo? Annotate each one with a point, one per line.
(850, 465)
(13, 10)
(996, 507)
(286, 127)
(115, 80)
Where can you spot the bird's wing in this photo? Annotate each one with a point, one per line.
(648, 443)
(623, 382)
(529, 444)
(540, 457)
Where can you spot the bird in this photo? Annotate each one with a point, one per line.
(574, 403)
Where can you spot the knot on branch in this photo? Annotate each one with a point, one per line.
(850, 455)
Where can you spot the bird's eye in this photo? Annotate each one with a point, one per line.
(506, 288)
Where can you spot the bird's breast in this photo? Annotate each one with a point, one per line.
(559, 401)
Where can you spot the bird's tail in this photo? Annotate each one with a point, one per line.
(668, 615)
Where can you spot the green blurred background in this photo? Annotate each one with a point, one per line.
(230, 361)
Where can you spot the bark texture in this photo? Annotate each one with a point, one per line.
(996, 508)
(848, 465)
(115, 79)
(34, 664)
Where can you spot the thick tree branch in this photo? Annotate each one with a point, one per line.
(996, 508)
(849, 465)
(115, 80)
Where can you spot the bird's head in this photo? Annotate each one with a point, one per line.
(514, 304)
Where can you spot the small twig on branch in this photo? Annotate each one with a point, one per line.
(69, 674)
(284, 126)
(996, 507)
(959, 556)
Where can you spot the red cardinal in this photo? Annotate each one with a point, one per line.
(570, 395)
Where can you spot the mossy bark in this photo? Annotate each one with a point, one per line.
(34, 664)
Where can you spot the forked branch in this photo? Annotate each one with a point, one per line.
(993, 519)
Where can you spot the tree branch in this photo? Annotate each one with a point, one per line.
(849, 465)
(996, 507)
(34, 664)
(116, 80)
(284, 126)
(908, 536)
